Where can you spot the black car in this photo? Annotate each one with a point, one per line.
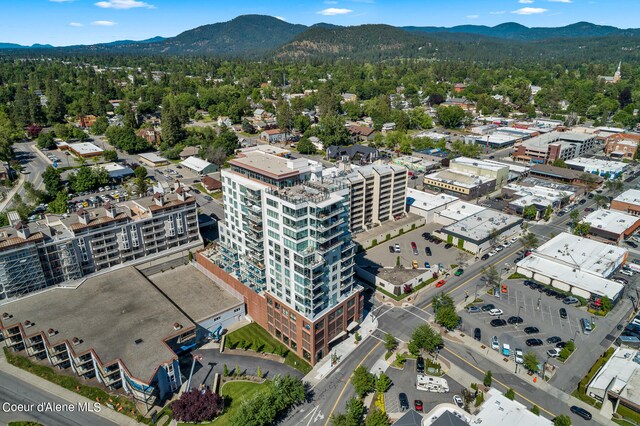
(560, 296)
(590, 196)
(561, 345)
(534, 342)
(528, 283)
(498, 323)
(426, 235)
(622, 280)
(515, 320)
(631, 243)
(580, 412)
(477, 334)
(563, 313)
(553, 339)
(391, 250)
(404, 401)
(636, 261)
(560, 213)
(487, 308)
(448, 245)
(582, 201)
(531, 330)
(419, 365)
(427, 251)
(484, 257)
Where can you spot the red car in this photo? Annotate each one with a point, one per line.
(413, 245)
(440, 283)
(418, 405)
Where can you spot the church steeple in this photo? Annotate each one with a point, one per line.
(618, 75)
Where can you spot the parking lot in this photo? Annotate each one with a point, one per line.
(405, 381)
(537, 310)
(381, 255)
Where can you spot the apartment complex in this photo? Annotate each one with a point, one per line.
(377, 193)
(548, 147)
(286, 238)
(490, 169)
(460, 184)
(67, 248)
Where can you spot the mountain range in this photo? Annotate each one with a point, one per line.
(260, 36)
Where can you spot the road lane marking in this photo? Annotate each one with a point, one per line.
(500, 383)
(344, 388)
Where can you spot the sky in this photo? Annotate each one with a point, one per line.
(67, 22)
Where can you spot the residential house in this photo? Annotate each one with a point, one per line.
(361, 134)
(211, 184)
(87, 121)
(189, 151)
(273, 136)
(354, 153)
(150, 135)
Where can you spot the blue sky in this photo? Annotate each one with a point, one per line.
(65, 22)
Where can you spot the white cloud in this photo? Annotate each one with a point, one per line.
(103, 23)
(530, 11)
(332, 11)
(499, 12)
(473, 16)
(561, 1)
(123, 4)
(525, 1)
(280, 18)
(75, 24)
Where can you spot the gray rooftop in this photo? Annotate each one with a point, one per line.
(108, 313)
(197, 296)
(478, 227)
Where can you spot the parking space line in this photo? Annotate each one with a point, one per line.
(413, 313)
(550, 315)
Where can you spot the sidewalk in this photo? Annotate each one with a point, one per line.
(509, 365)
(63, 393)
(16, 187)
(342, 350)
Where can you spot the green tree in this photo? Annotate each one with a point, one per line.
(284, 117)
(355, 410)
(531, 361)
(487, 378)
(535, 410)
(34, 195)
(390, 342)
(83, 180)
(547, 212)
(574, 215)
(530, 212)
(45, 141)
(52, 181)
(450, 117)
(510, 394)
(491, 276)
(614, 185)
(559, 163)
(377, 417)
(172, 131)
(461, 149)
(600, 200)
(248, 127)
(424, 338)
(447, 317)
(562, 420)
(529, 241)
(332, 131)
(110, 155)
(383, 383)
(100, 126)
(305, 146)
(362, 381)
(59, 204)
(582, 228)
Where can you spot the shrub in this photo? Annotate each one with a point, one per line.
(225, 370)
(535, 410)
(197, 406)
(479, 399)
(511, 394)
(487, 379)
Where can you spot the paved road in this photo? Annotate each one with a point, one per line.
(33, 164)
(15, 391)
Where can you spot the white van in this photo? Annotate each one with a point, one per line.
(586, 325)
(431, 384)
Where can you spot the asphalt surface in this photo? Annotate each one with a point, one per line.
(15, 391)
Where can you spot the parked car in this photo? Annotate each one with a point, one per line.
(492, 253)
(494, 343)
(589, 210)
(477, 334)
(621, 280)
(458, 401)
(581, 412)
(581, 202)
(404, 401)
(426, 235)
(498, 248)
(414, 264)
(563, 313)
(440, 283)
(626, 272)
(515, 320)
(473, 309)
(427, 251)
(418, 405)
(396, 247)
(419, 365)
(391, 249)
(553, 339)
(448, 246)
(519, 356)
(570, 300)
(553, 352)
(561, 345)
(414, 247)
(485, 256)
(498, 323)
(531, 330)
(488, 307)
(631, 244)
(496, 312)
(458, 272)
(534, 342)
(427, 265)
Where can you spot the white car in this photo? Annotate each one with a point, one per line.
(553, 352)
(499, 248)
(494, 343)
(519, 356)
(506, 244)
(513, 240)
(626, 272)
(458, 401)
(493, 253)
(495, 312)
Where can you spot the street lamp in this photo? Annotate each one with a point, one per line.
(519, 307)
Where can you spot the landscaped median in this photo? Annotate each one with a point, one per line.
(253, 337)
(580, 392)
(404, 295)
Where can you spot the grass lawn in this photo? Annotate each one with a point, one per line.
(628, 413)
(580, 392)
(262, 341)
(517, 276)
(233, 393)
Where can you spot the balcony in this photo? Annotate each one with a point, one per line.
(36, 349)
(326, 247)
(60, 359)
(347, 265)
(85, 369)
(57, 350)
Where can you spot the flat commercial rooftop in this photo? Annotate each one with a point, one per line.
(479, 163)
(85, 148)
(478, 228)
(267, 163)
(198, 296)
(460, 210)
(621, 367)
(426, 201)
(464, 180)
(501, 411)
(611, 220)
(153, 157)
(630, 196)
(120, 315)
(595, 164)
(589, 255)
